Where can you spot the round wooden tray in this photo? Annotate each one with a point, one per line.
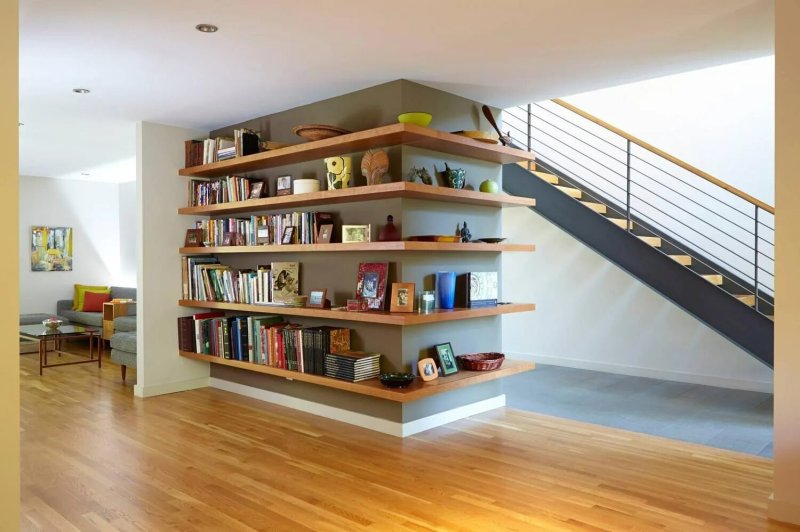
(318, 131)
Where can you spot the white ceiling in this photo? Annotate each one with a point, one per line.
(143, 59)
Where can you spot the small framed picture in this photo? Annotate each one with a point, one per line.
(402, 297)
(227, 239)
(284, 187)
(194, 238)
(356, 233)
(427, 369)
(262, 234)
(316, 298)
(325, 234)
(288, 235)
(447, 359)
(256, 189)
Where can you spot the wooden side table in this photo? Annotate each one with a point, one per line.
(112, 310)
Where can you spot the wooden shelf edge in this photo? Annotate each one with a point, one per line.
(361, 247)
(381, 317)
(397, 189)
(373, 388)
(394, 134)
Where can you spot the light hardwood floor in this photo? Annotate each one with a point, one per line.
(96, 458)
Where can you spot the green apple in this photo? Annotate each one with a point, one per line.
(489, 186)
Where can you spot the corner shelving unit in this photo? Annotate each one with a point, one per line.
(396, 134)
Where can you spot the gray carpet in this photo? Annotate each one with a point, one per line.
(729, 419)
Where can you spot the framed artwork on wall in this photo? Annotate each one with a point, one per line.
(51, 249)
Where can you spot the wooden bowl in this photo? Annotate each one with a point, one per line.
(318, 131)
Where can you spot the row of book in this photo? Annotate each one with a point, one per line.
(265, 230)
(205, 279)
(243, 142)
(269, 341)
(221, 190)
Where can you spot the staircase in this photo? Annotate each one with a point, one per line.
(697, 240)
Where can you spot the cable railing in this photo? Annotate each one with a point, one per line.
(722, 228)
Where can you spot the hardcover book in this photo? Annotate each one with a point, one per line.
(482, 289)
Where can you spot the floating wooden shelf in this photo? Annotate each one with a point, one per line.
(362, 246)
(386, 318)
(373, 387)
(395, 134)
(400, 189)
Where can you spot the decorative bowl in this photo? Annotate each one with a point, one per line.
(52, 324)
(318, 131)
(397, 380)
(490, 240)
(481, 361)
(420, 119)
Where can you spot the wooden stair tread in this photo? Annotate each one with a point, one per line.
(620, 222)
(596, 207)
(571, 192)
(747, 299)
(685, 260)
(714, 279)
(544, 176)
(652, 240)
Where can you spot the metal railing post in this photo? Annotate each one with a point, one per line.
(529, 136)
(628, 189)
(755, 261)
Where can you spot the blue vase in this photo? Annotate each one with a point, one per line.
(446, 289)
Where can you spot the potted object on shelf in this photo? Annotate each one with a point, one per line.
(374, 166)
(389, 232)
(338, 170)
(456, 178)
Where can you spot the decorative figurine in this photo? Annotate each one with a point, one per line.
(389, 232)
(421, 174)
(466, 236)
(455, 178)
(374, 165)
(338, 172)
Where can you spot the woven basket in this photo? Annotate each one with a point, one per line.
(481, 361)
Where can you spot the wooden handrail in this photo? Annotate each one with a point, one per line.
(671, 158)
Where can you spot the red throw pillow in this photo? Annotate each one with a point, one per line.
(93, 301)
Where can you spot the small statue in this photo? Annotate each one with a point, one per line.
(466, 236)
(389, 233)
(421, 174)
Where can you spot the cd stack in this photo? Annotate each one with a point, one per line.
(352, 366)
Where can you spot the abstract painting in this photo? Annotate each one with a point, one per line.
(51, 249)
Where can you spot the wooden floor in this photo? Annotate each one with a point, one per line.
(95, 458)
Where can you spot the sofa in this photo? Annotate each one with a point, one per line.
(123, 351)
(95, 319)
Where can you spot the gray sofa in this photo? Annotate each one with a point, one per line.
(95, 319)
(123, 351)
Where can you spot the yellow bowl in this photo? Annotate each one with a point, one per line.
(420, 119)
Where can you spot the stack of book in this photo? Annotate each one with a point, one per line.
(352, 366)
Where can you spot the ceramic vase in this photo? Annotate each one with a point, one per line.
(339, 171)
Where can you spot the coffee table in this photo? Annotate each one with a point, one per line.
(57, 336)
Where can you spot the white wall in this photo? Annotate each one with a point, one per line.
(591, 314)
(127, 233)
(92, 210)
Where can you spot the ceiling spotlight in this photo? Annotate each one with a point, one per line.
(81, 91)
(85, 173)
(206, 28)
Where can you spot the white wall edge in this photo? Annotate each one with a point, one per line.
(170, 387)
(385, 426)
(784, 511)
(635, 371)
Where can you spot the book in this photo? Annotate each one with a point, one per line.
(481, 289)
(353, 366)
(285, 280)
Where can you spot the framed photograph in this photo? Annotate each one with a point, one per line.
(402, 297)
(256, 189)
(447, 360)
(284, 186)
(356, 233)
(316, 298)
(288, 235)
(194, 238)
(262, 234)
(325, 234)
(427, 369)
(372, 283)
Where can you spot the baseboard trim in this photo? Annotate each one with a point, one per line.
(170, 387)
(385, 426)
(635, 371)
(784, 511)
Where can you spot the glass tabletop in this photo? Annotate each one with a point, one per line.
(64, 330)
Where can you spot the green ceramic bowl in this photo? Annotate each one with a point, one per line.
(420, 119)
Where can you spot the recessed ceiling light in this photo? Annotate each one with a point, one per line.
(85, 173)
(81, 91)
(206, 28)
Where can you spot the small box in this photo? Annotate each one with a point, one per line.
(357, 305)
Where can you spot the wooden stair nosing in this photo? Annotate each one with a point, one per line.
(685, 260)
(596, 207)
(747, 299)
(651, 240)
(713, 278)
(571, 192)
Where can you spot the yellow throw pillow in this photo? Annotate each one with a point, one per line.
(77, 299)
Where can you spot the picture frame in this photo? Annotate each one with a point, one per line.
(256, 190)
(402, 299)
(352, 234)
(371, 285)
(447, 360)
(316, 298)
(325, 234)
(288, 235)
(262, 234)
(427, 369)
(284, 185)
(194, 238)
